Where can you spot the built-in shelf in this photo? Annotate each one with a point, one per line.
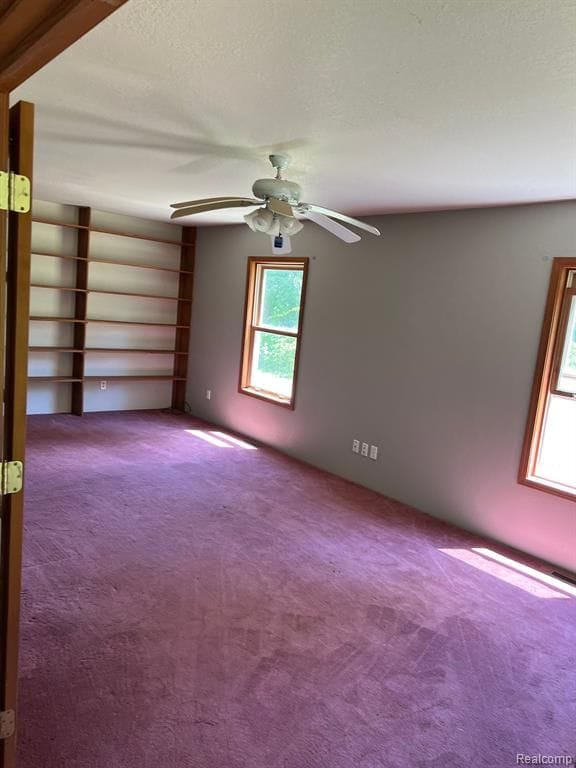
(54, 349)
(138, 295)
(100, 321)
(131, 350)
(145, 377)
(133, 322)
(55, 255)
(149, 238)
(114, 263)
(59, 287)
(65, 224)
(44, 319)
(108, 350)
(139, 266)
(81, 290)
(100, 231)
(108, 293)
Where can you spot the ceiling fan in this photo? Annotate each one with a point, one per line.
(278, 201)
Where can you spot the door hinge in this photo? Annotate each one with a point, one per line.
(7, 724)
(14, 192)
(4, 190)
(11, 477)
(571, 276)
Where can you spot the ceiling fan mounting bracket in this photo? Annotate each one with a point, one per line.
(280, 162)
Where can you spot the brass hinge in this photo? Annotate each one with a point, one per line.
(14, 192)
(7, 724)
(11, 477)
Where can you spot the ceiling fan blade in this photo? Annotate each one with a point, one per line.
(223, 199)
(306, 207)
(213, 205)
(332, 226)
(280, 207)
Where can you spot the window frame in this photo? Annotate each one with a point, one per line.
(552, 339)
(256, 265)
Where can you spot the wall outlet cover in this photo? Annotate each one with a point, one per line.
(356, 446)
(374, 452)
(364, 450)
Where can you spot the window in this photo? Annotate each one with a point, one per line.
(549, 454)
(275, 291)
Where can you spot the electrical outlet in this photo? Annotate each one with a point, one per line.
(374, 452)
(208, 394)
(356, 446)
(102, 385)
(364, 450)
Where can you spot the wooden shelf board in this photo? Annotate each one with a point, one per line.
(133, 322)
(54, 349)
(114, 263)
(59, 223)
(149, 377)
(101, 231)
(56, 255)
(137, 295)
(107, 293)
(58, 287)
(37, 318)
(151, 238)
(106, 350)
(132, 349)
(105, 377)
(139, 266)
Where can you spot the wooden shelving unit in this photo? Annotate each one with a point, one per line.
(81, 320)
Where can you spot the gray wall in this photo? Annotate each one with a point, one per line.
(422, 342)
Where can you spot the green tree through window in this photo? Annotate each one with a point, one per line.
(281, 293)
(281, 298)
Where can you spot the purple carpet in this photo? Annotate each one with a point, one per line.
(196, 604)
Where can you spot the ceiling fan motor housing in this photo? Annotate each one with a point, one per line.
(278, 188)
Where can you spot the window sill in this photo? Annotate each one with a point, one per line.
(269, 397)
(548, 486)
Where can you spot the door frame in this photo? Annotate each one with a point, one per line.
(17, 296)
(31, 35)
(36, 32)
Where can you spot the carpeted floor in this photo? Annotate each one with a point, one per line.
(194, 605)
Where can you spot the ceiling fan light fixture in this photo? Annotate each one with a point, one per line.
(260, 220)
(290, 226)
(275, 229)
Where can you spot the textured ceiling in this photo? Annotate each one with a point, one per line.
(384, 105)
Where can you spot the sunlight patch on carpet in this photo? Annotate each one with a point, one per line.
(521, 576)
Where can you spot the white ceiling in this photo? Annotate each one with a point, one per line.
(384, 105)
